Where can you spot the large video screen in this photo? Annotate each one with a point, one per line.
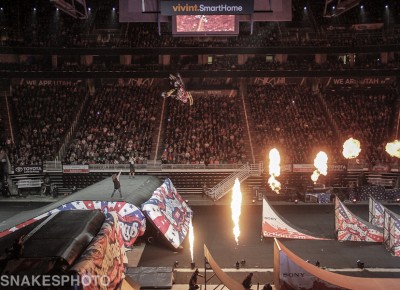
(193, 25)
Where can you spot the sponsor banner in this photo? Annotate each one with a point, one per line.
(337, 168)
(169, 213)
(367, 26)
(349, 227)
(293, 276)
(274, 226)
(303, 167)
(130, 219)
(360, 81)
(381, 168)
(104, 257)
(28, 169)
(391, 232)
(207, 7)
(75, 168)
(31, 82)
(376, 214)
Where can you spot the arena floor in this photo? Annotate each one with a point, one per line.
(213, 227)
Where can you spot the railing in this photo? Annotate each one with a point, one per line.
(224, 186)
(71, 131)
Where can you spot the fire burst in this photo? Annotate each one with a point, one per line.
(191, 238)
(274, 169)
(236, 207)
(321, 163)
(393, 148)
(351, 148)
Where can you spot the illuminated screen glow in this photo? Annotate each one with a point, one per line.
(205, 24)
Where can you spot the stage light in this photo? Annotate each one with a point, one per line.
(34, 9)
(89, 9)
(296, 201)
(362, 6)
(1, 8)
(354, 200)
(113, 8)
(192, 265)
(333, 8)
(305, 8)
(397, 199)
(386, 6)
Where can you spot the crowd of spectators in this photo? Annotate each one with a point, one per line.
(229, 62)
(210, 131)
(42, 115)
(290, 118)
(118, 124)
(364, 115)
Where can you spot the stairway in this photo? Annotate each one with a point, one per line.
(222, 188)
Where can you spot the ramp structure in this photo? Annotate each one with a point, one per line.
(229, 282)
(391, 232)
(292, 272)
(275, 226)
(376, 214)
(350, 227)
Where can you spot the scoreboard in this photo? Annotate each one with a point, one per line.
(204, 17)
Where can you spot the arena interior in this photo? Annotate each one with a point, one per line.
(150, 93)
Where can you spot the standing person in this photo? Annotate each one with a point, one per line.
(204, 192)
(193, 280)
(117, 184)
(247, 281)
(132, 167)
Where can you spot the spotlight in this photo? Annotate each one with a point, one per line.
(305, 8)
(362, 6)
(89, 8)
(397, 199)
(237, 265)
(333, 8)
(113, 8)
(354, 200)
(34, 9)
(1, 8)
(360, 264)
(296, 201)
(386, 6)
(192, 265)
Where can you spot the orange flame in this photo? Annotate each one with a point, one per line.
(321, 163)
(274, 169)
(393, 148)
(191, 238)
(351, 148)
(236, 207)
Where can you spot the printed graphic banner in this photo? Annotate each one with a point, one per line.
(349, 227)
(131, 220)
(104, 257)
(296, 277)
(207, 7)
(29, 169)
(376, 214)
(75, 168)
(273, 226)
(391, 232)
(169, 213)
